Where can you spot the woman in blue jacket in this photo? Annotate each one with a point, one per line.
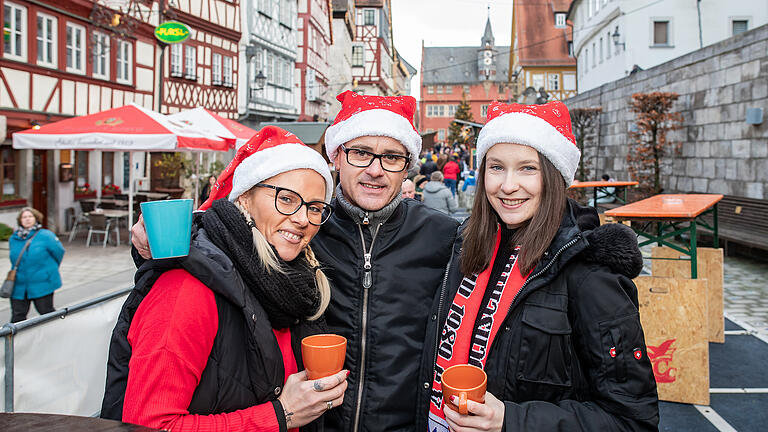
(37, 275)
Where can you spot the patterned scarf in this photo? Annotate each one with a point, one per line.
(471, 326)
(24, 232)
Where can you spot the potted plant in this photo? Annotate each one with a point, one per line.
(170, 167)
(110, 189)
(10, 200)
(84, 191)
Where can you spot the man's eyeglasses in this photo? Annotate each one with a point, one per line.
(363, 158)
(288, 202)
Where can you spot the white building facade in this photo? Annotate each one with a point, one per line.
(611, 38)
(269, 47)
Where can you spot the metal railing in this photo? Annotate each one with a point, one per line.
(9, 332)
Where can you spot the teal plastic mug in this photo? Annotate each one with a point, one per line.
(168, 224)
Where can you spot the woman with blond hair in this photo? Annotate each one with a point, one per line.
(211, 341)
(37, 273)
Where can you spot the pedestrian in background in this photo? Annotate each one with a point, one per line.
(451, 172)
(408, 190)
(437, 195)
(207, 188)
(428, 167)
(37, 275)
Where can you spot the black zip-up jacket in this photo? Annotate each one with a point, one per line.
(382, 306)
(551, 362)
(245, 366)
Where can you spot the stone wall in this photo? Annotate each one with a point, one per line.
(720, 152)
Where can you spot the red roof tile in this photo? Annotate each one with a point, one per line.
(539, 42)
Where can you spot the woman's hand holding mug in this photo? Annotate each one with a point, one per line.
(487, 416)
(305, 400)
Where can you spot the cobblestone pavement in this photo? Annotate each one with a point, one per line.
(85, 273)
(746, 292)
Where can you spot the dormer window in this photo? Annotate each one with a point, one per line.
(559, 20)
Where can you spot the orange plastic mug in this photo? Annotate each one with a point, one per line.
(323, 354)
(466, 382)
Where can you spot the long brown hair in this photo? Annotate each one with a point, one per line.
(534, 237)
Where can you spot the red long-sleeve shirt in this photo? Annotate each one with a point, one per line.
(171, 337)
(451, 170)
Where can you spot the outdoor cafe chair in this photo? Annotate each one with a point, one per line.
(98, 225)
(86, 207)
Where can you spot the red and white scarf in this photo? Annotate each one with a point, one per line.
(463, 343)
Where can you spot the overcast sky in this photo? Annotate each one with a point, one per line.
(446, 23)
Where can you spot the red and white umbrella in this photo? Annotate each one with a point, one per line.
(128, 128)
(203, 120)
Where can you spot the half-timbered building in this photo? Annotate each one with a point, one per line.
(315, 38)
(372, 51)
(340, 56)
(543, 56)
(63, 59)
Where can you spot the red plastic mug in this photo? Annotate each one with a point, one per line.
(323, 354)
(466, 382)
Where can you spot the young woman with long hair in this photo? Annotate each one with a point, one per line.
(539, 296)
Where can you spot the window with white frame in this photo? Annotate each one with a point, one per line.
(452, 110)
(270, 68)
(286, 12)
(739, 26)
(537, 82)
(190, 62)
(608, 40)
(601, 50)
(279, 71)
(661, 33)
(597, 5)
(358, 56)
(100, 55)
(75, 48)
(287, 74)
(569, 81)
(216, 69)
(177, 52)
(258, 62)
(124, 62)
(441, 110)
(449, 89)
(586, 59)
(228, 71)
(553, 81)
(369, 17)
(441, 134)
(265, 6)
(15, 31)
(483, 110)
(46, 40)
(439, 89)
(559, 20)
(466, 89)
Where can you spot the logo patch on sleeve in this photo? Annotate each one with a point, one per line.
(638, 353)
(612, 352)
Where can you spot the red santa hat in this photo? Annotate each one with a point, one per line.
(270, 152)
(361, 115)
(546, 128)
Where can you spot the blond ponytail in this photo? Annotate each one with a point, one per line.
(322, 284)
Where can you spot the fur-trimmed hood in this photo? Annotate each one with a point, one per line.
(614, 245)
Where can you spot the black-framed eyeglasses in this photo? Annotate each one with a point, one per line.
(363, 158)
(288, 202)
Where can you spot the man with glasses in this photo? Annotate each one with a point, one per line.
(386, 259)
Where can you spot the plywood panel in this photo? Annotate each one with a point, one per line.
(674, 317)
(710, 267)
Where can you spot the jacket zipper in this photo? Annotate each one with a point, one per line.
(439, 313)
(367, 282)
(554, 258)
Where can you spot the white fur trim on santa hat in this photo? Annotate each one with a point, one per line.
(375, 122)
(532, 131)
(276, 160)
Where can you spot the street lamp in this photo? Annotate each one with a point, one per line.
(260, 80)
(615, 36)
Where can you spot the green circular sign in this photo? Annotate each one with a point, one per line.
(172, 32)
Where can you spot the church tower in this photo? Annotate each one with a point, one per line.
(486, 55)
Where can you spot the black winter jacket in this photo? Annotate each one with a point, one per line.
(382, 304)
(551, 362)
(245, 366)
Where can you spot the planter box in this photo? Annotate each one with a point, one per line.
(85, 195)
(13, 203)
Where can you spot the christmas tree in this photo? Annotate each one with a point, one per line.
(464, 112)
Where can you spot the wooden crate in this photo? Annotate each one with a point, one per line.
(674, 317)
(710, 267)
